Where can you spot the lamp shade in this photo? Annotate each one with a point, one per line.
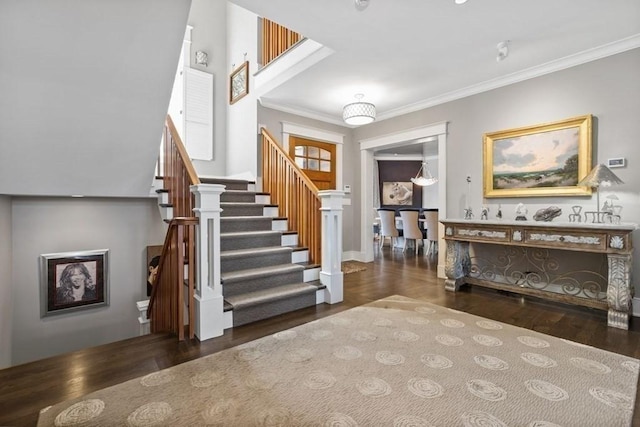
(359, 113)
(600, 176)
(423, 181)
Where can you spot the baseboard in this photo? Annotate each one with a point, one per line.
(352, 256)
(635, 307)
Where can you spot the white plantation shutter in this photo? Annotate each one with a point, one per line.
(198, 135)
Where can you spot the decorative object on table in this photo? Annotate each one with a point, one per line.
(484, 213)
(542, 160)
(521, 212)
(616, 210)
(239, 82)
(600, 176)
(422, 180)
(499, 212)
(468, 212)
(547, 214)
(576, 215)
(71, 281)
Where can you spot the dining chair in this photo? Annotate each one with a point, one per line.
(411, 228)
(433, 233)
(387, 225)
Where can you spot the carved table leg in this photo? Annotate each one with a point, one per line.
(457, 264)
(619, 291)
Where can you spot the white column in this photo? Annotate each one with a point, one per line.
(143, 320)
(331, 275)
(209, 303)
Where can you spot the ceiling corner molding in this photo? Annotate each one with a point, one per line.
(583, 57)
(300, 112)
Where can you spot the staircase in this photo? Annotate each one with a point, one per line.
(262, 270)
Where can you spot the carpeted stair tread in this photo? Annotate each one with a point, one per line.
(241, 234)
(264, 296)
(241, 253)
(246, 223)
(317, 284)
(308, 265)
(230, 184)
(250, 273)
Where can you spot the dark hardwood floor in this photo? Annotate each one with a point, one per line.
(27, 388)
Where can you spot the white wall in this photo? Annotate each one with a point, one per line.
(5, 281)
(51, 225)
(209, 34)
(242, 139)
(608, 88)
(85, 88)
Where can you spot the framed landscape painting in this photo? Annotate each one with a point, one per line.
(541, 160)
(71, 281)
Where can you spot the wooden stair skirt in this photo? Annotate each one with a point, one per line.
(259, 276)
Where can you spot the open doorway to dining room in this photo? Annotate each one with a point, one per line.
(434, 135)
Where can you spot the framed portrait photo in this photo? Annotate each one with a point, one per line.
(71, 281)
(239, 83)
(541, 160)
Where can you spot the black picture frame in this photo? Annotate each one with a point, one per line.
(72, 281)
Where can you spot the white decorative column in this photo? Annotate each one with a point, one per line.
(209, 303)
(331, 274)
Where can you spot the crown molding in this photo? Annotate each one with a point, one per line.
(583, 57)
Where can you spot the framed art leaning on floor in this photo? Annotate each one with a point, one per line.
(71, 281)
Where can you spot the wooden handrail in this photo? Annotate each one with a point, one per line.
(275, 40)
(167, 302)
(178, 172)
(294, 193)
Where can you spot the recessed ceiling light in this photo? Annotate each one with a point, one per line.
(461, 1)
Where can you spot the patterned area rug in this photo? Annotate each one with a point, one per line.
(394, 362)
(352, 267)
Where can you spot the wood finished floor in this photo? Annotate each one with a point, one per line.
(27, 388)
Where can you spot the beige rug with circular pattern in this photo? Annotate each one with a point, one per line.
(394, 362)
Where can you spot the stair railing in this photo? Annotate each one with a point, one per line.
(175, 281)
(275, 40)
(178, 172)
(294, 193)
(177, 267)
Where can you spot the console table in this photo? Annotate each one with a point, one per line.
(518, 237)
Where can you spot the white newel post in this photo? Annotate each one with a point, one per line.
(209, 304)
(331, 275)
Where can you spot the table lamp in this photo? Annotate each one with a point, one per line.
(600, 176)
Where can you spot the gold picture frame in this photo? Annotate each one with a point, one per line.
(541, 160)
(239, 83)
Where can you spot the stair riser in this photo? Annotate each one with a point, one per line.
(258, 283)
(229, 185)
(236, 242)
(248, 210)
(258, 224)
(300, 256)
(253, 261)
(238, 197)
(289, 240)
(270, 309)
(311, 274)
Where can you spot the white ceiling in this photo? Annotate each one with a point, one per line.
(405, 55)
